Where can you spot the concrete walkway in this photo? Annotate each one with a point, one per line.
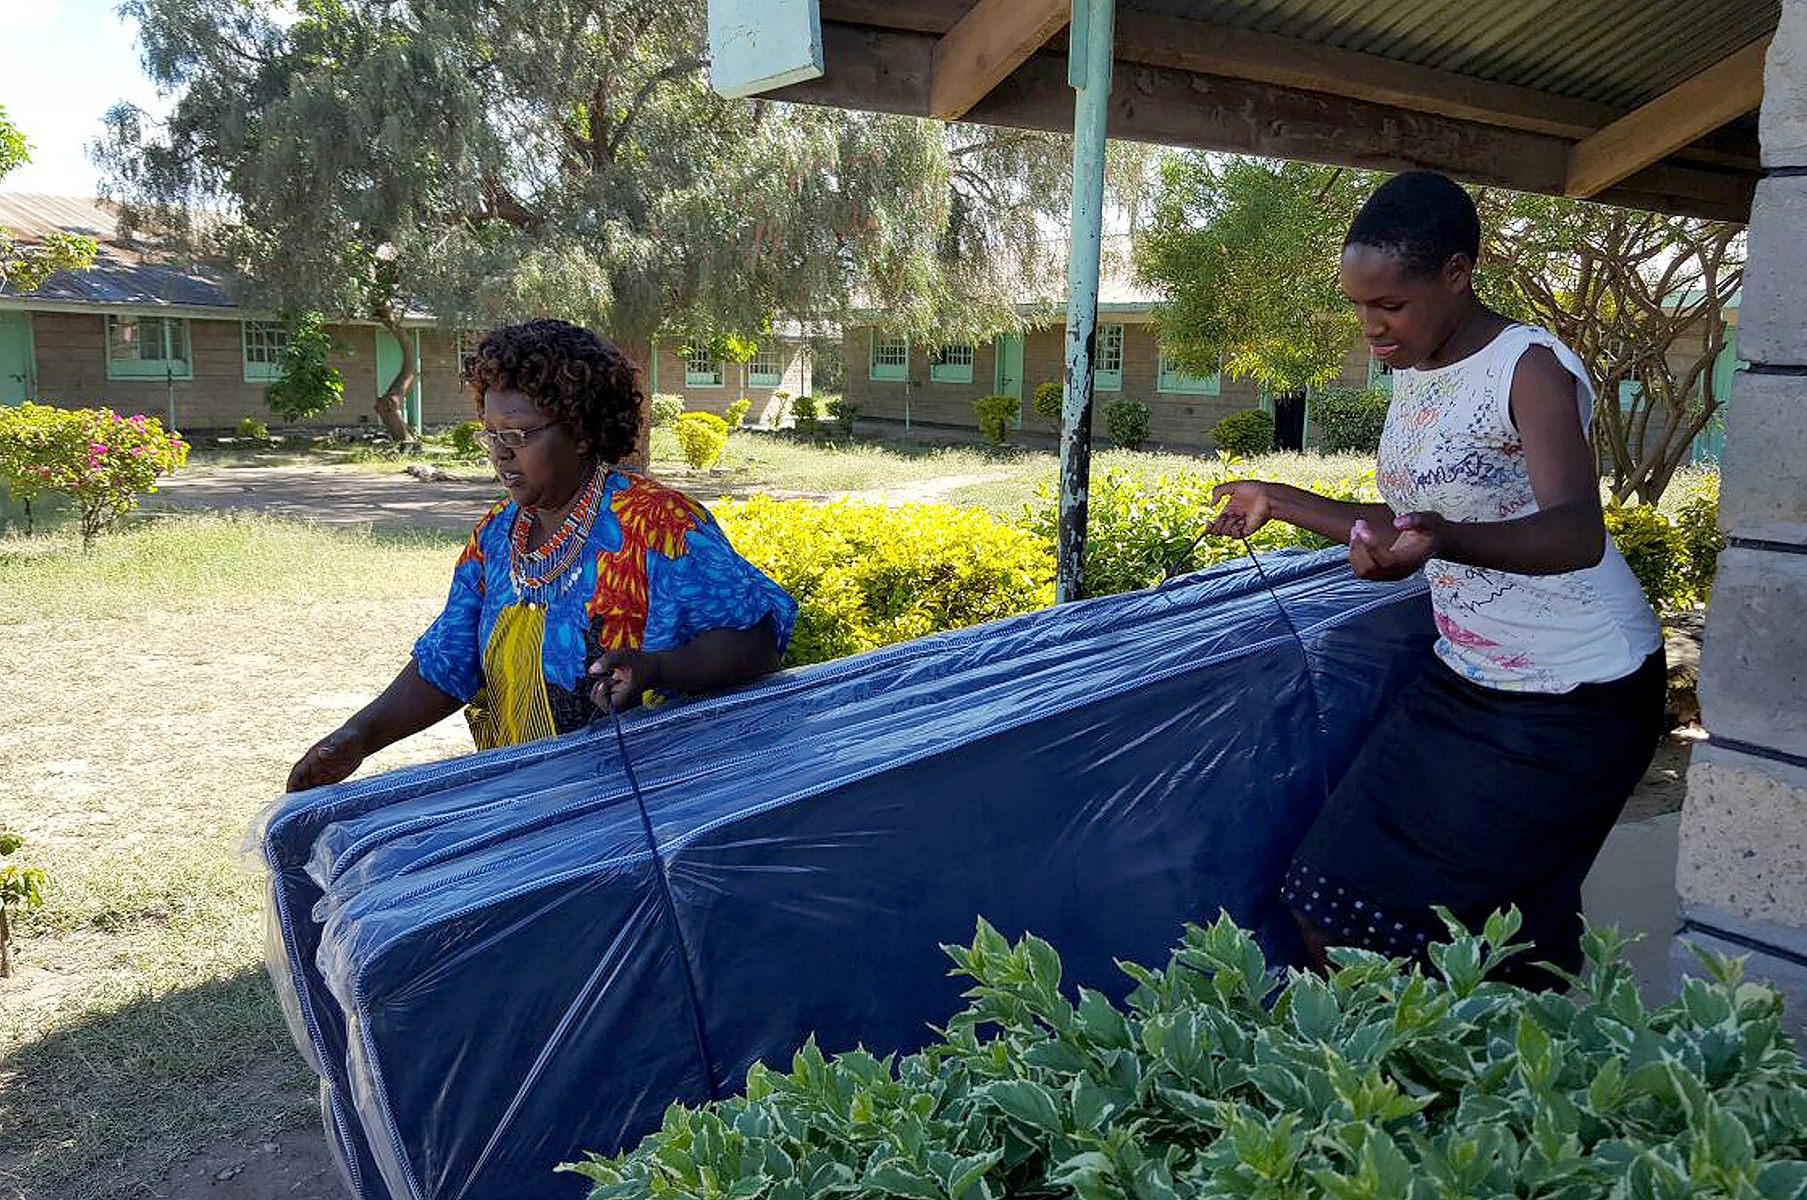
(1632, 886)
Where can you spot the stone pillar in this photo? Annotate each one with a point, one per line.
(1742, 875)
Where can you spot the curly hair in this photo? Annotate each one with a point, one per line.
(570, 374)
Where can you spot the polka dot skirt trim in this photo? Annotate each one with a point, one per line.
(1353, 920)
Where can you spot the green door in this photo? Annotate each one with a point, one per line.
(1008, 376)
(18, 366)
(389, 365)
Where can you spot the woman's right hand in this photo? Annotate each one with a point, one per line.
(1248, 505)
(332, 758)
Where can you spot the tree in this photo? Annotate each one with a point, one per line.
(1247, 249)
(24, 268)
(309, 384)
(1641, 297)
(488, 160)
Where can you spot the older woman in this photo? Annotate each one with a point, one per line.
(588, 586)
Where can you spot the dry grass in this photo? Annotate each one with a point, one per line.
(156, 692)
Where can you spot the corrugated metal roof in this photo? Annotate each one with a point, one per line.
(1616, 52)
(120, 275)
(137, 284)
(30, 216)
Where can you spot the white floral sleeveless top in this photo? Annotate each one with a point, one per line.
(1450, 447)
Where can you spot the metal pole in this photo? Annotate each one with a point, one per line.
(1089, 71)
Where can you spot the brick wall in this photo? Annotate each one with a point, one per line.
(1182, 420)
(668, 380)
(443, 399)
(72, 369)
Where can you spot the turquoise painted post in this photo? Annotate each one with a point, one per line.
(1090, 43)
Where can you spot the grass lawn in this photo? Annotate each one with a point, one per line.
(157, 691)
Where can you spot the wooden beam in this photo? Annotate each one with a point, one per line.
(889, 71)
(987, 44)
(1729, 88)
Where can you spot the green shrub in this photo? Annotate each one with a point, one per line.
(464, 440)
(1048, 397)
(997, 413)
(1126, 421)
(99, 459)
(865, 575)
(1674, 560)
(1215, 1079)
(737, 412)
(309, 384)
(1697, 523)
(1138, 527)
(804, 409)
(1245, 433)
(843, 412)
(22, 890)
(1652, 547)
(702, 436)
(1350, 420)
(251, 427)
(667, 408)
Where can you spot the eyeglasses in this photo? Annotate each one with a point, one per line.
(514, 439)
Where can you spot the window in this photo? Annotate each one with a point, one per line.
(1174, 379)
(952, 364)
(1107, 366)
(890, 356)
(148, 348)
(264, 344)
(1380, 375)
(702, 369)
(766, 369)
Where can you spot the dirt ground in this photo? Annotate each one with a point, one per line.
(293, 1163)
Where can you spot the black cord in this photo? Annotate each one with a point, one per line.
(671, 907)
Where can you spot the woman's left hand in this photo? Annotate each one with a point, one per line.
(1415, 539)
(623, 677)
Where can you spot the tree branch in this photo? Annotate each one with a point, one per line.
(676, 70)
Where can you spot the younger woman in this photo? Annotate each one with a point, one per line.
(1495, 777)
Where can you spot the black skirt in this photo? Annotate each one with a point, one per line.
(1475, 799)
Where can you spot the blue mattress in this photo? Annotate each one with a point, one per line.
(499, 962)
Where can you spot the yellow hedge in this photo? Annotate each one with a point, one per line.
(865, 575)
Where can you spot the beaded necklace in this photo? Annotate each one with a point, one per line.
(540, 575)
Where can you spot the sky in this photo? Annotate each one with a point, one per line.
(63, 64)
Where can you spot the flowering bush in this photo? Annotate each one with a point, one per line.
(101, 460)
